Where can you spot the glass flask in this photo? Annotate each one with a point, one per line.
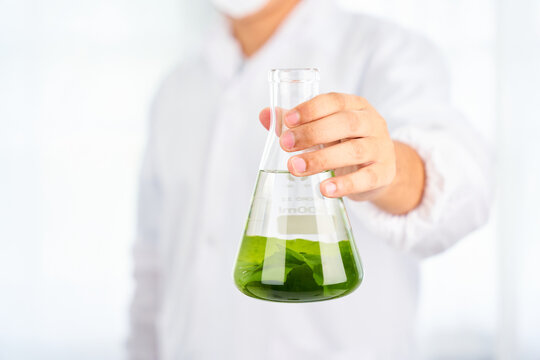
(297, 244)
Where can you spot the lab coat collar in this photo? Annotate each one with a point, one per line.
(221, 51)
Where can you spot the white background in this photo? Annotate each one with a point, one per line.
(76, 79)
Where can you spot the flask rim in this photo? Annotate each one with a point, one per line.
(293, 75)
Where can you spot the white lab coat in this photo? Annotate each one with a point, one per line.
(199, 171)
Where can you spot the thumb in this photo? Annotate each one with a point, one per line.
(264, 118)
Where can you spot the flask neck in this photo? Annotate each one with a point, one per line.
(288, 88)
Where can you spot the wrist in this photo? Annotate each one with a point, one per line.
(406, 189)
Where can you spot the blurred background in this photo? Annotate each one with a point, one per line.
(76, 81)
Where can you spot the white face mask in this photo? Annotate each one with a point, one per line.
(239, 8)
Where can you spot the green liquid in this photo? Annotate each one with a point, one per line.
(296, 270)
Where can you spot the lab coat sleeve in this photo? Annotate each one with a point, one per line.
(143, 336)
(407, 83)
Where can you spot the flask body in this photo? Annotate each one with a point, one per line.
(297, 245)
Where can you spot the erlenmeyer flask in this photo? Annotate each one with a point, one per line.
(297, 245)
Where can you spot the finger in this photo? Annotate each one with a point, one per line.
(321, 106)
(347, 153)
(368, 178)
(264, 118)
(341, 125)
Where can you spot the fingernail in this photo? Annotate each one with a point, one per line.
(330, 188)
(298, 164)
(287, 140)
(292, 118)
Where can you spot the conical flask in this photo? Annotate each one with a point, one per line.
(297, 245)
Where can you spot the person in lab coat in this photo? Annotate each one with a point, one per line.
(413, 174)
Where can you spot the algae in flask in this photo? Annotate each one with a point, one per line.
(297, 244)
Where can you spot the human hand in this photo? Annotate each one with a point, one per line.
(355, 139)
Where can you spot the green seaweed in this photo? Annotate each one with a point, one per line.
(294, 269)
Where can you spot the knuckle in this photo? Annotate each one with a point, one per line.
(311, 132)
(391, 174)
(307, 108)
(313, 105)
(338, 99)
(376, 146)
(372, 178)
(314, 161)
(358, 149)
(306, 136)
(362, 100)
(347, 184)
(353, 122)
(333, 94)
